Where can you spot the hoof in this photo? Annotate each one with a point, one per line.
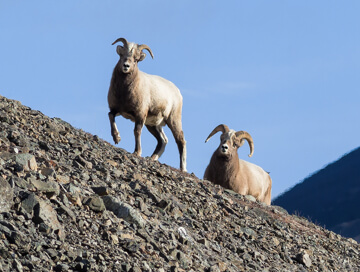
(155, 157)
(117, 139)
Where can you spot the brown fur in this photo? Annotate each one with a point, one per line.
(227, 170)
(146, 100)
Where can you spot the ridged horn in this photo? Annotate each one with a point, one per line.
(123, 40)
(144, 46)
(223, 128)
(241, 135)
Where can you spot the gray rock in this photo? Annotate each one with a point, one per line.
(95, 203)
(25, 162)
(17, 266)
(123, 210)
(101, 191)
(79, 159)
(61, 267)
(304, 259)
(5, 231)
(44, 213)
(20, 239)
(6, 196)
(63, 209)
(47, 171)
(250, 198)
(214, 268)
(29, 203)
(48, 186)
(249, 232)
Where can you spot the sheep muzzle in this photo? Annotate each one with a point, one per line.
(224, 148)
(126, 67)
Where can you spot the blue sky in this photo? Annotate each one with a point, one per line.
(285, 71)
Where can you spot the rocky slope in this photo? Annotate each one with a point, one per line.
(70, 201)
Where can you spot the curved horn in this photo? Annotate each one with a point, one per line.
(223, 128)
(144, 46)
(241, 135)
(123, 40)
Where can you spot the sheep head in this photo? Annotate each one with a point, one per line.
(230, 141)
(130, 54)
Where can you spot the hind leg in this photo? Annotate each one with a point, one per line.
(267, 198)
(158, 133)
(175, 127)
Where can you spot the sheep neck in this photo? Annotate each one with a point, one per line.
(128, 80)
(124, 82)
(225, 169)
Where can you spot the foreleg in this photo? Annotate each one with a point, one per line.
(114, 131)
(137, 132)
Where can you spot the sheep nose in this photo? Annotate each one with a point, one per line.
(126, 65)
(224, 147)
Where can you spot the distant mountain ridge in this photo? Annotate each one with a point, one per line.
(329, 197)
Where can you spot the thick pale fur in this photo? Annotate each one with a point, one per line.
(146, 100)
(227, 170)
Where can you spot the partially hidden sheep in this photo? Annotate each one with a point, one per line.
(226, 169)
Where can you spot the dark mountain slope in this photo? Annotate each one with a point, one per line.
(329, 197)
(70, 201)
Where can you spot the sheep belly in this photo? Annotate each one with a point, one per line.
(256, 178)
(155, 120)
(128, 116)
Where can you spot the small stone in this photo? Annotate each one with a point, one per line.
(204, 242)
(214, 268)
(29, 203)
(95, 203)
(114, 239)
(47, 171)
(250, 198)
(304, 259)
(74, 198)
(101, 191)
(275, 241)
(25, 162)
(44, 213)
(62, 179)
(6, 196)
(83, 162)
(61, 268)
(48, 186)
(17, 266)
(123, 210)
(222, 266)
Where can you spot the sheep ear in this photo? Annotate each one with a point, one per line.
(239, 142)
(119, 49)
(142, 56)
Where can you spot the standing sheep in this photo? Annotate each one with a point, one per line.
(145, 99)
(226, 169)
